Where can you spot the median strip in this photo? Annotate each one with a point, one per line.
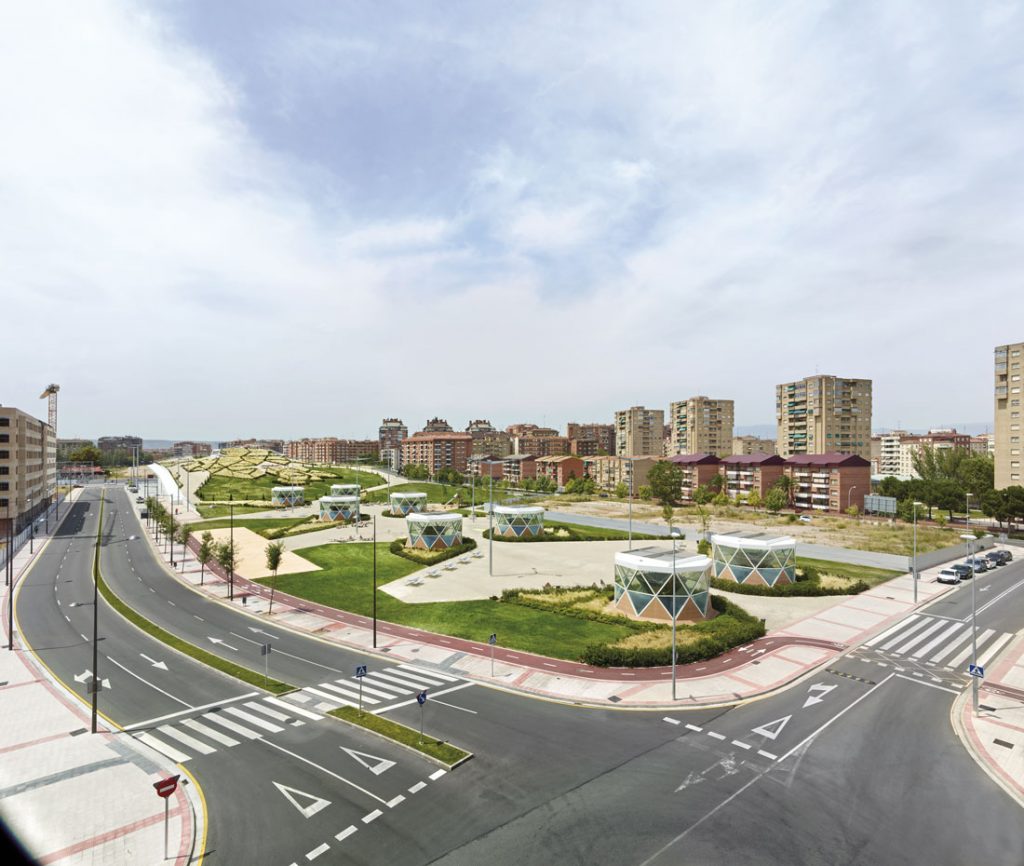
(444, 753)
(239, 672)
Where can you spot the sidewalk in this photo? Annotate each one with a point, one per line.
(762, 666)
(70, 796)
(995, 737)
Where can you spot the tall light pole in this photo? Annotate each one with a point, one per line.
(231, 544)
(674, 534)
(974, 620)
(916, 504)
(94, 684)
(630, 459)
(374, 581)
(849, 496)
(490, 520)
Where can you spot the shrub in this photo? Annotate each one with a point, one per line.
(430, 557)
(704, 547)
(803, 587)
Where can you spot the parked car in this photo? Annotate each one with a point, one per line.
(948, 575)
(1008, 557)
(805, 518)
(1004, 555)
(980, 564)
(963, 570)
(994, 558)
(139, 500)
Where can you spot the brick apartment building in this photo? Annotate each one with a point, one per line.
(829, 482)
(744, 473)
(498, 443)
(607, 471)
(191, 449)
(541, 446)
(824, 414)
(391, 433)
(437, 450)
(587, 440)
(639, 432)
(698, 470)
(752, 445)
(1006, 442)
(331, 450)
(28, 468)
(486, 466)
(275, 445)
(516, 468)
(559, 468)
(700, 425)
(437, 425)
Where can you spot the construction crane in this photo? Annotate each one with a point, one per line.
(51, 392)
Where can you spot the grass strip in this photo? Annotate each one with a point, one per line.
(153, 630)
(439, 750)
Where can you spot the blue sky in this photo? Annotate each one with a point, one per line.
(295, 218)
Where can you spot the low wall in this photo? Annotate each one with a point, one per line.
(947, 554)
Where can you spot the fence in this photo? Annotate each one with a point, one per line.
(21, 539)
(947, 554)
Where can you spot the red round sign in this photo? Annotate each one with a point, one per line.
(166, 787)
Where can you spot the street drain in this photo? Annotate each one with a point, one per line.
(1003, 743)
(614, 699)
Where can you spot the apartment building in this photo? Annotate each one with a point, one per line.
(480, 428)
(498, 443)
(527, 429)
(746, 473)
(752, 445)
(608, 471)
(191, 449)
(516, 468)
(984, 443)
(829, 482)
(275, 445)
(559, 468)
(437, 450)
(437, 425)
(67, 446)
(486, 466)
(330, 449)
(391, 433)
(1009, 367)
(109, 444)
(700, 425)
(639, 432)
(824, 414)
(542, 445)
(590, 439)
(698, 470)
(885, 452)
(28, 468)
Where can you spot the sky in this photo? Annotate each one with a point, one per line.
(293, 219)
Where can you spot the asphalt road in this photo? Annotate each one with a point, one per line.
(857, 765)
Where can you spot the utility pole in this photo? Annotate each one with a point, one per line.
(374, 584)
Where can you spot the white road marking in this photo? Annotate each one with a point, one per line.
(344, 834)
(260, 708)
(923, 683)
(953, 644)
(162, 747)
(913, 642)
(216, 736)
(452, 706)
(696, 728)
(254, 720)
(716, 736)
(84, 637)
(428, 673)
(277, 702)
(330, 773)
(316, 852)
(407, 681)
(334, 699)
(672, 721)
(182, 712)
(373, 816)
(395, 690)
(419, 786)
(186, 740)
(399, 799)
(993, 649)
(437, 774)
(413, 700)
(742, 745)
(232, 726)
(928, 647)
(351, 695)
(962, 656)
(68, 618)
(903, 635)
(767, 755)
(368, 689)
(148, 683)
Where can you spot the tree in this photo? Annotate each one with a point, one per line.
(703, 495)
(785, 484)
(621, 490)
(226, 554)
(715, 483)
(86, 454)
(775, 500)
(184, 533)
(754, 499)
(645, 492)
(204, 554)
(274, 551)
(665, 479)
(720, 499)
(667, 512)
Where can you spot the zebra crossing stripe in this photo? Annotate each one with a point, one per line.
(903, 635)
(274, 714)
(346, 693)
(335, 699)
(426, 673)
(928, 647)
(254, 720)
(369, 688)
(952, 645)
(209, 733)
(390, 688)
(992, 650)
(409, 681)
(183, 738)
(232, 726)
(924, 635)
(961, 657)
(287, 705)
(162, 747)
(892, 630)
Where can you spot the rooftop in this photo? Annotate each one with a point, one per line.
(832, 458)
(690, 459)
(758, 457)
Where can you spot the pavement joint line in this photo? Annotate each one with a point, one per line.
(372, 816)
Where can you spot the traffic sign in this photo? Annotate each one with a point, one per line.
(493, 639)
(976, 670)
(360, 670)
(166, 787)
(421, 698)
(264, 649)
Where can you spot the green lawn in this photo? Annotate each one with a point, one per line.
(871, 576)
(345, 582)
(437, 494)
(268, 527)
(219, 487)
(209, 512)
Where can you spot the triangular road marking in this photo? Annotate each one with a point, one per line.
(315, 805)
(772, 729)
(378, 765)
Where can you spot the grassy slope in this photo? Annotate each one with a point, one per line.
(346, 583)
(219, 487)
(871, 576)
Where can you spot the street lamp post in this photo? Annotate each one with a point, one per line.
(374, 582)
(94, 685)
(916, 504)
(675, 534)
(630, 459)
(490, 520)
(849, 496)
(974, 620)
(231, 544)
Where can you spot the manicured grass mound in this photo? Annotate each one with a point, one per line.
(430, 557)
(440, 750)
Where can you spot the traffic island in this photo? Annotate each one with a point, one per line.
(439, 751)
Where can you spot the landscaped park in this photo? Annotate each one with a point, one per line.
(550, 599)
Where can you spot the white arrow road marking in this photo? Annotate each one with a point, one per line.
(218, 640)
(261, 631)
(83, 676)
(315, 804)
(154, 662)
(691, 779)
(772, 729)
(818, 693)
(378, 766)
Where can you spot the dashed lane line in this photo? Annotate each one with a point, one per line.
(768, 755)
(344, 834)
(316, 852)
(372, 816)
(696, 728)
(715, 735)
(437, 774)
(672, 721)
(395, 801)
(419, 786)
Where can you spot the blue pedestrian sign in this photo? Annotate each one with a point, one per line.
(421, 698)
(360, 670)
(976, 670)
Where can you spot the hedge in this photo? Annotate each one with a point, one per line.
(430, 557)
(807, 586)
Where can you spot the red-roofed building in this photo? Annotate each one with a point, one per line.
(698, 470)
(437, 451)
(744, 473)
(559, 468)
(829, 482)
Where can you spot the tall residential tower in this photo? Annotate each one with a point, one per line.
(1008, 370)
(701, 425)
(824, 415)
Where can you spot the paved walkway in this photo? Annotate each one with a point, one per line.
(995, 737)
(70, 796)
(762, 666)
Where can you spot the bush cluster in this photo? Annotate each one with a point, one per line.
(807, 584)
(569, 606)
(430, 557)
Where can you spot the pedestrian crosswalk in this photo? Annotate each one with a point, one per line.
(937, 642)
(381, 689)
(224, 727)
(233, 723)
